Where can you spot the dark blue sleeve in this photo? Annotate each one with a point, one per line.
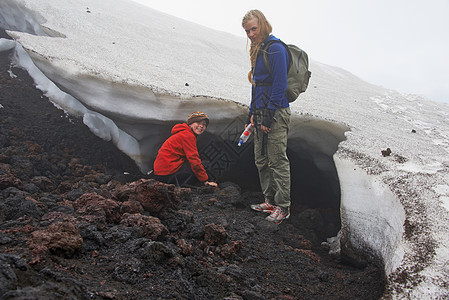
(278, 60)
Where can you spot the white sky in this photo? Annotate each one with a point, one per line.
(398, 44)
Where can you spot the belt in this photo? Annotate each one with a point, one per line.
(264, 84)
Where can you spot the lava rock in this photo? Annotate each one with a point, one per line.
(215, 234)
(62, 238)
(153, 195)
(149, 226)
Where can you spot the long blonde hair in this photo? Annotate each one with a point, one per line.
(265, 31)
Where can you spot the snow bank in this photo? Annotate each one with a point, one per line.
(6, 44)
(98, 124)
(372, 217)
(131, 72)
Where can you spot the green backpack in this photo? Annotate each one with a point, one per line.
(298, 73)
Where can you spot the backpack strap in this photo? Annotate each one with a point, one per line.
(264, 51)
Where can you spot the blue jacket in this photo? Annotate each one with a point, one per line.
(270, 97)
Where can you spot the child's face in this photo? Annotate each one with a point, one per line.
(198, 127)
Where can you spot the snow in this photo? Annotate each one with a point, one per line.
(126, 69)
(372, 211)
(98, 124)
(6, 44)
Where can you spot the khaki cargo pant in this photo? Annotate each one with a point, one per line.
(274, 166)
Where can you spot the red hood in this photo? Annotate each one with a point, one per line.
(180, 127)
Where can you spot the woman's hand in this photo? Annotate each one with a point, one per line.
(265, 129)
(252, 122)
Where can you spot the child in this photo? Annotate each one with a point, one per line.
(178, 161)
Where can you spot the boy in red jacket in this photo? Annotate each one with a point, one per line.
(178, 161)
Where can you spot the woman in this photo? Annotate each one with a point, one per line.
(178, 161)
(269, 113)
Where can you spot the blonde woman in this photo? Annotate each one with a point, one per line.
(270, 115)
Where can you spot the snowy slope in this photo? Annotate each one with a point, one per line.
(134, 65)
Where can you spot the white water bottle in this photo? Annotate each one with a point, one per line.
(245, 135)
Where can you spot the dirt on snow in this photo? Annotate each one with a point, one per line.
(79, 221)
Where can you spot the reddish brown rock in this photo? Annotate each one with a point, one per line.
(150, 227)
(55, 216)
(34, 148)
(131, 207)
(44, 183)
(154, 196)
(97, 209)
(64, 186)
(62, 238)
(230, 250)
(7, 178)
(78, 169)
(215, 234)
(186, 248)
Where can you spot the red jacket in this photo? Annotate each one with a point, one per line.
(178, 148)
